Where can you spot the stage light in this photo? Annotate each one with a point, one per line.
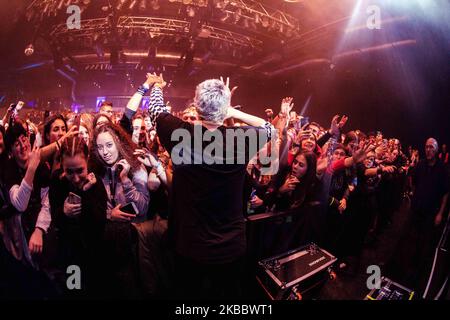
(143, 5)
(120, 4)
(132, 4)
(29, 50)
(190, 11)
(220, 5)
(224, 18)
(60, 5)
(237, 15)
(246, 24)
(265, 22)
(204, 33)
(46, 8)
(96, 36)
(155, 5)
(257, 18)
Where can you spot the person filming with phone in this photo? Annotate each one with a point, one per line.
(78, 204)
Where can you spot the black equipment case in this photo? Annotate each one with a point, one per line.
(292, 274)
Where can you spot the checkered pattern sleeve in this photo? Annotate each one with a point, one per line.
(156, 105)
(270, 130)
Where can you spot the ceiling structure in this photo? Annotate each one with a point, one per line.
(189, 40)
(150, 34)
(257, 37)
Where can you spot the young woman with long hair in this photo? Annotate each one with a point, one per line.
(124, 177)
(78, 205)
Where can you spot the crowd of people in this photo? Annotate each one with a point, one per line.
(102, 192)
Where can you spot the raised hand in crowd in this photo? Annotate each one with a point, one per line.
(227, 84)
(161, 83)
(146, 157)
(73, 131)
(32, 127)
(91, 180)
(286, 107)
(152, 78)
(291, 134)
(360, 154)
(336, 126)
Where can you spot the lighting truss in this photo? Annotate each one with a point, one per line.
(155, 26)
(89, 26)
(233, 37)
(39, 9)
(197, 3)
(249, 9)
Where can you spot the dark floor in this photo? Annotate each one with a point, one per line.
(350, 283)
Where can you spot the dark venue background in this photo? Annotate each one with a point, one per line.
(395, 79)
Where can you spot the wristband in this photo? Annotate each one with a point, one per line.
(143, 89)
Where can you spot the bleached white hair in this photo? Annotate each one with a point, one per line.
(212, 99)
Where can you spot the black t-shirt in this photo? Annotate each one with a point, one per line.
(339, 183)
(367, 185)
(206, 221)
(80, 234)
(431, 184)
